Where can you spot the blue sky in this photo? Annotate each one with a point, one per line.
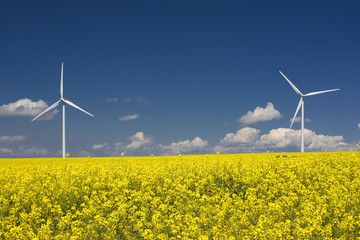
(176, 77)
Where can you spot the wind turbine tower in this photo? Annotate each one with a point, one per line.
(62, 101)
(301, 104)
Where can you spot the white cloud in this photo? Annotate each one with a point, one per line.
(287, 138)
(184, 146)
(110, 149)
(118, 146)
(139, 144)
(298, 119)
(111, 100)
(359, 126)
(243, 140)
(49, 115)
(6, 150)
(234, 149)
(283, 139)
(142, 100)
(33, 151)
(99, 146)
(84, 153)
(327, 142)
(244, 135)
(128, 118)
(23, 151)
(138, 140)
(26, 107)
(260, 115)
(12, 138)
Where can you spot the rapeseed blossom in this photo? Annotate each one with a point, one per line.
(237, 196)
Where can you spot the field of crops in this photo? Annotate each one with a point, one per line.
(240, 196)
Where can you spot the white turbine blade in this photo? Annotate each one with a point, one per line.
(48, 109)
(292, 85)
(73, 105)
(297, 110)
(315, 93)
(61, 82)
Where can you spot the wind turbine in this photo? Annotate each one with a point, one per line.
(62, 101)
(301, 104)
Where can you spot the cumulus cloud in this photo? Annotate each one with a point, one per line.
(287, 138)
(298, 119)
(23, 151)
(99, 146)
(260, 115)
(281, 139)
(33, 151)
(26, 107)
(359, 126)
(326, 142)
(244, 135)
(111, 100)
(129, 117)
(118, 146)
(184, 146)
(6, 151)
(232, 149)
(138, 140)
(12, 138)
(49, 115)
(84, 153)
(244, 140)
(139, 144)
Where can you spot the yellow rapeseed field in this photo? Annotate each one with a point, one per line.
(238, 196)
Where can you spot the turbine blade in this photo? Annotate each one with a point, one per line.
(48, 109)
(292, 85)
(61, 82)
(297, 110)
(73, 105)
(315, 93)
